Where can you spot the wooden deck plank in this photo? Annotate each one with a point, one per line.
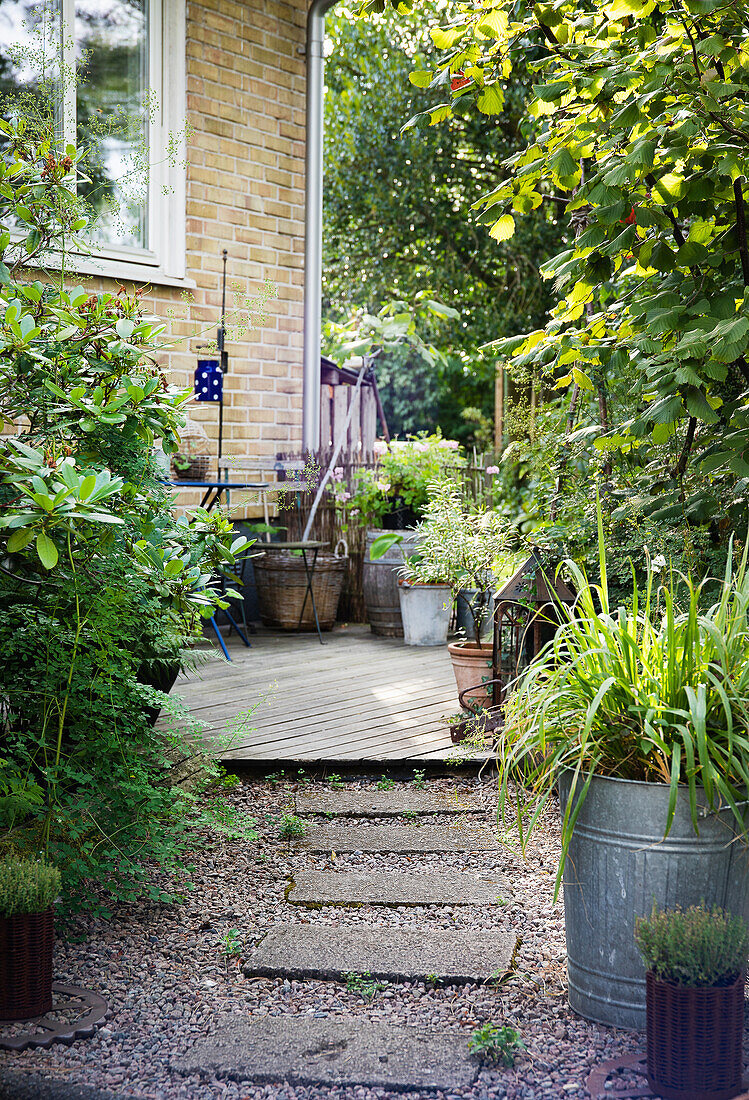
(357, 698)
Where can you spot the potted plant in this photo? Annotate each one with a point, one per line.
(638, 715)
(392, 496)
(27, 890)
(425, 602)
(696, 968)
(467, 547)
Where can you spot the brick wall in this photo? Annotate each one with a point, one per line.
(245, 192)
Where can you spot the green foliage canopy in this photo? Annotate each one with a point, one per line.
(641, 121)
(398, 221)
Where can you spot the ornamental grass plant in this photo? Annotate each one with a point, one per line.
(698, 947)
(657, 691)
(27, 886)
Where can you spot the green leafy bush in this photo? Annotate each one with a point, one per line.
(402, 475)
(27, 886)
(698, 946)
(100, 587)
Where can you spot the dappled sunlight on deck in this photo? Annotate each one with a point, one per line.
(358, 697)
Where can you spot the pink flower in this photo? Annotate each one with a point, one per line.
(344, 497)
(421, 447)
(451, 444)
(338, 473)
(380, 447)
(492, 469)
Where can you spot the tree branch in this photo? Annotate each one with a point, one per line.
(738, 194)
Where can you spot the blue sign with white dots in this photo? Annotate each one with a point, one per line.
(209, 381)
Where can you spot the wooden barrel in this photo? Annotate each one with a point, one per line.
(380, 585)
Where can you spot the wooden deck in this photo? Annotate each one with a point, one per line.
(355, 698)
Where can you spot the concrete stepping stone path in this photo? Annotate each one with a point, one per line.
(315, 888)
(400, 838)
(357, 1050)
(302, 1051)
(395, 954)
(374, 803)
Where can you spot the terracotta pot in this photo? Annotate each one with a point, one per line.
(26, 943)
(472, 664)
(694, 1039)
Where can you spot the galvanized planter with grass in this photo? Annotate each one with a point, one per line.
(641, 716)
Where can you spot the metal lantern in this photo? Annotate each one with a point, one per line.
(526, 616)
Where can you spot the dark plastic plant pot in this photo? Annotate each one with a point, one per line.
(26, 943)
(694, 1039)
(163, 678)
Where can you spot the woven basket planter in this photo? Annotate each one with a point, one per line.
(281, 584)
(196, 471)
(694, 1040)
(26, 942)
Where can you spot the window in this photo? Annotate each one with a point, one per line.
(117, 70)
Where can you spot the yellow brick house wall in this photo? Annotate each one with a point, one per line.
(245, 103)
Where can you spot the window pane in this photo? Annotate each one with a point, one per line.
(112, 109)
(30, 63)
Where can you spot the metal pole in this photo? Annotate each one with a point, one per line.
(313, 224)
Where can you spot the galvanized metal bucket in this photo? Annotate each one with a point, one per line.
(426, 611)
(619, 864)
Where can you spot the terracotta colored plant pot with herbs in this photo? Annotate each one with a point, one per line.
(27, 890)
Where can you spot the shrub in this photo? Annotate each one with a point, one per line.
(693, 947)
(100, 587)
(27, 886)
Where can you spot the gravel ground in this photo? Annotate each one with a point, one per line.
(167, 977)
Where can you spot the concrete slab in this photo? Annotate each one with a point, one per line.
(400, 838)
(374, 803)
(30, 1086)
(455, 955)
(315, 888)
(352, 1051)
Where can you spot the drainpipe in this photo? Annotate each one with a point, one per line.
(313, 224)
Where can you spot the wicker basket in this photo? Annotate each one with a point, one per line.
(26, 942)
(694, 1040)
(196, 471)
(281, 584)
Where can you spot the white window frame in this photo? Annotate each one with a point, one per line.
(163, 261)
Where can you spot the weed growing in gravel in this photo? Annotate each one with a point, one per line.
(410, 814)
(291, 827)
(418, 780)
(232, 942)
(275, 777)
(496, 1044)
(302, 778)
(363, 984)
(385, 784)
(336, 781)
(434, 979)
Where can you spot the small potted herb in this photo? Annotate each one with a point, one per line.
(695, 960)
(27, 890)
